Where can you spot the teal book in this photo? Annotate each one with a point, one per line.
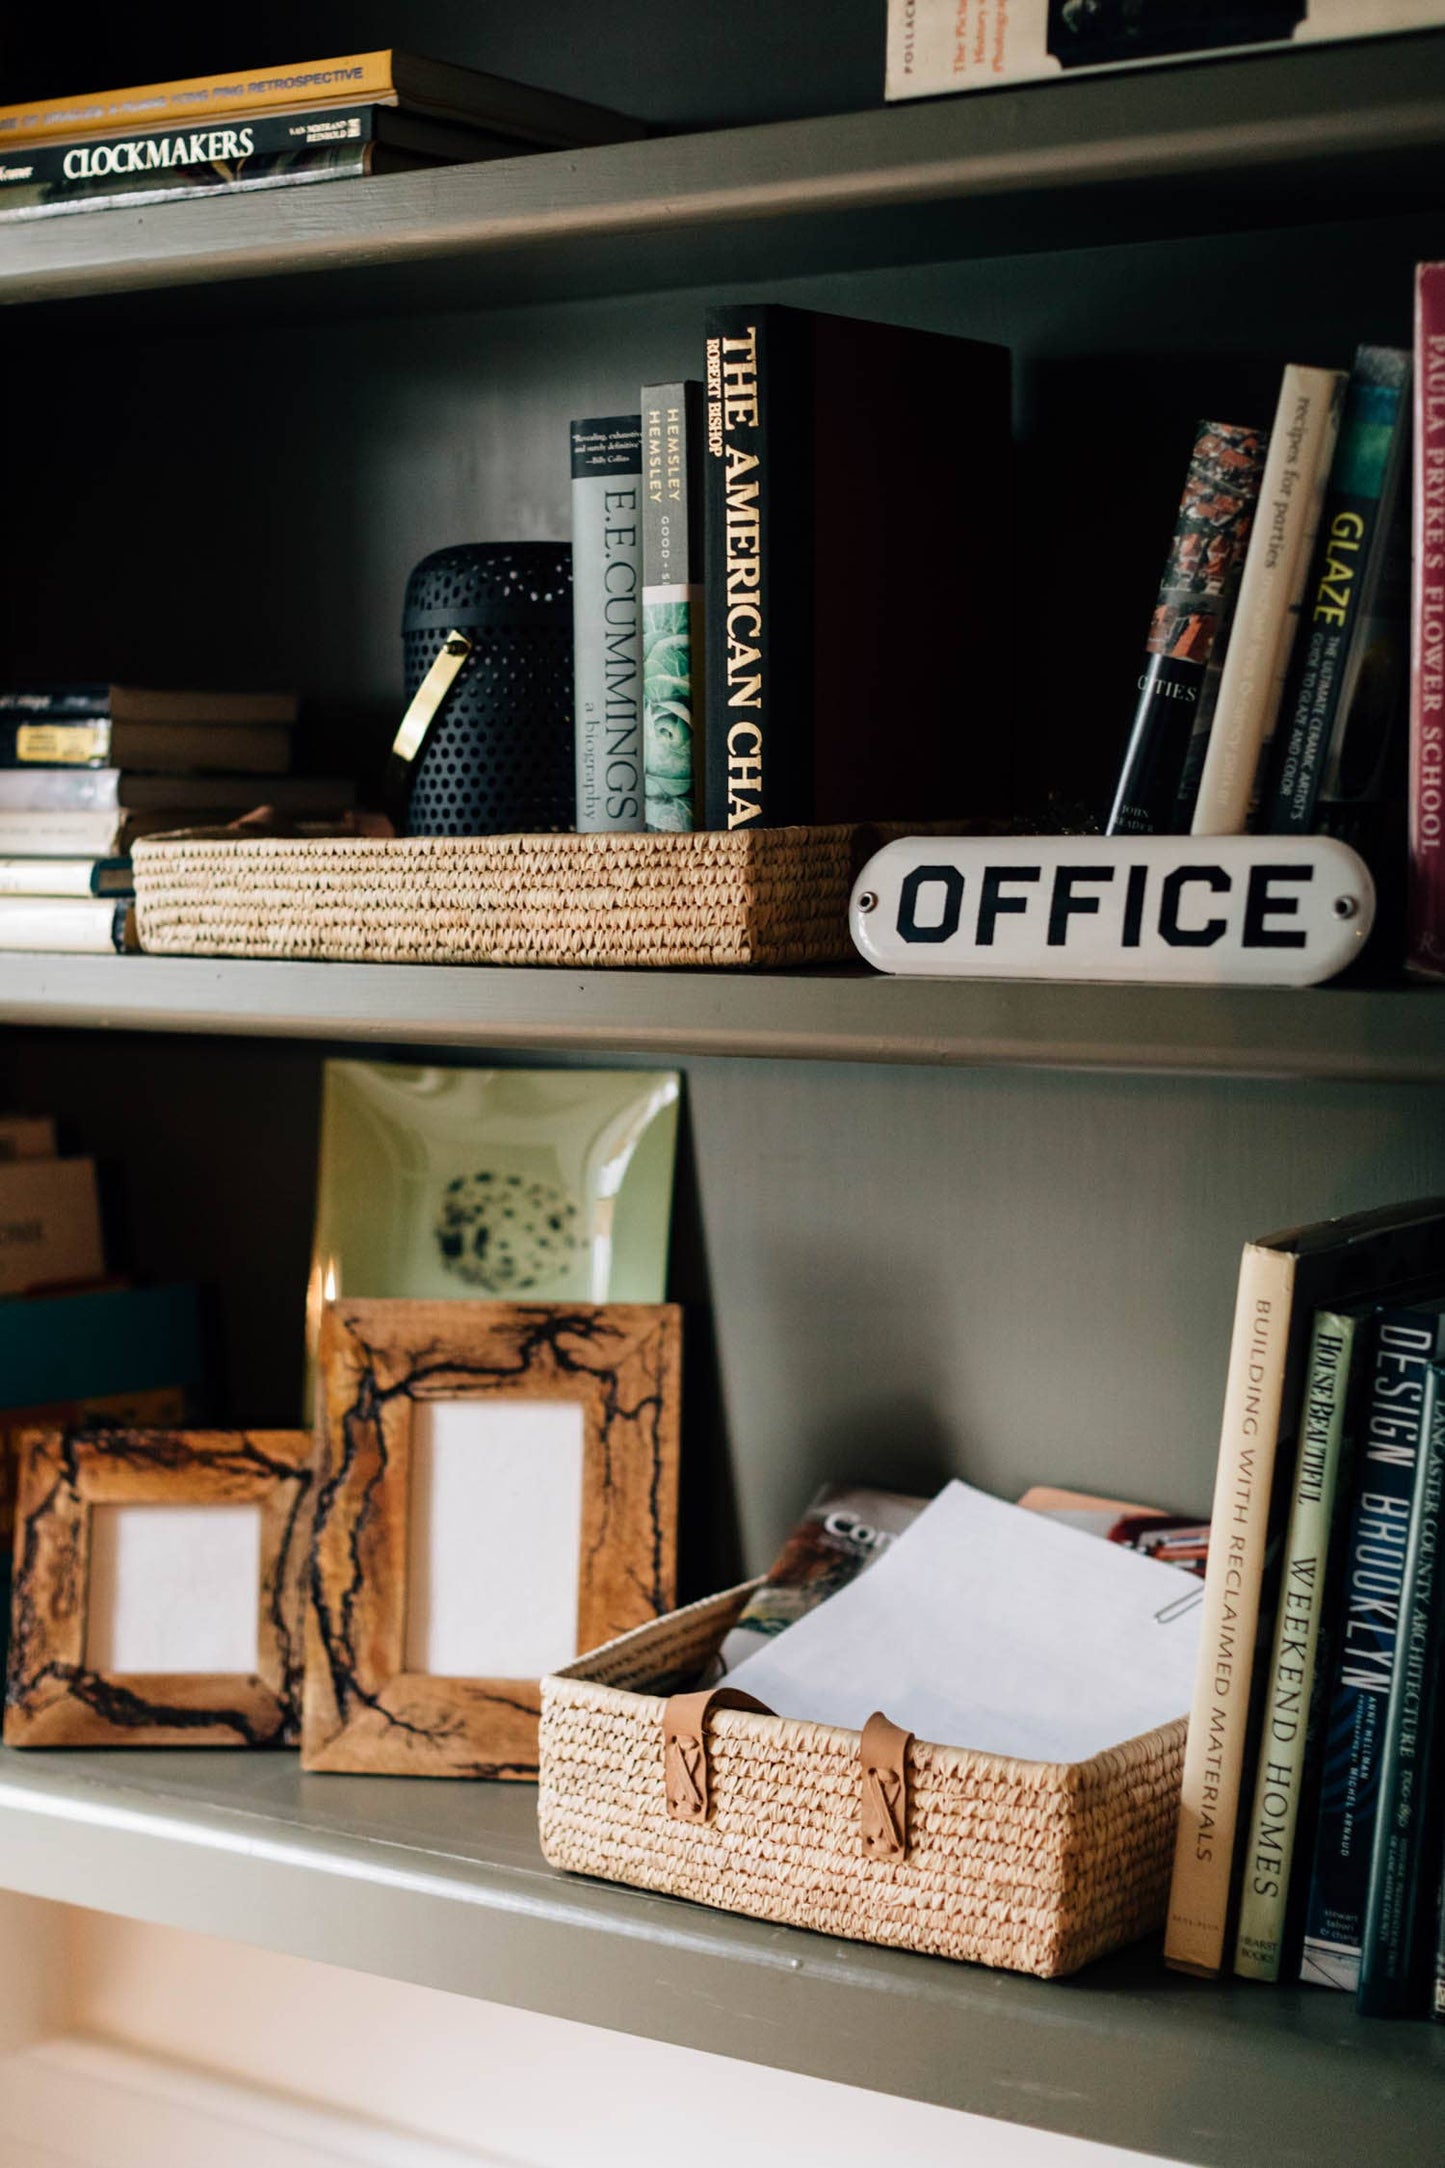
(672, 615)
(1348, 675)
(1394, 1952)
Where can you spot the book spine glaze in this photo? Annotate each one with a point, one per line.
(607, 621)
(1392, 1949)
(1344, 578)
(1425, 928)
(1201, 575)
(1199, 1893)
(1271, 589)
(1363, 1669)
(757, 568)
(1268, 1849)
(273, 169)
(672, 613)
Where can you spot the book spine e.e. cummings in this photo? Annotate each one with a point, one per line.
(1268, 1850)
(607, 621)
(1405, 1343)
(1214, 1754)
(1340, 697)
(758, 566)
(672, 606)
(1393, 1953)
(1196, 593)
(1425, 938)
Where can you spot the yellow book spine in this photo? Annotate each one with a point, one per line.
(355, 79)
(1214, 1753)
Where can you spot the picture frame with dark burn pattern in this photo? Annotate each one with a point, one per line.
(56, 1695)
(381, 1361)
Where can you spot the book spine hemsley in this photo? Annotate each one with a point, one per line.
(672, 615)
(607, 621)
(1201, 574)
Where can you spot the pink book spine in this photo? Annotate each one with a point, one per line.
(1426, 933)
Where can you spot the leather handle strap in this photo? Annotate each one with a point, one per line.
(427, 703)
(684, 1748)
(882, 1768)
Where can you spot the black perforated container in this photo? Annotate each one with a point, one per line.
(499, 756)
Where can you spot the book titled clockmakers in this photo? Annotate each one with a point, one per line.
(607, 621)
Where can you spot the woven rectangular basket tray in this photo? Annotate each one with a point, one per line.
(776, 896)
(1036, 1866)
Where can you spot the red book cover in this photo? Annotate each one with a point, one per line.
(1426, 938)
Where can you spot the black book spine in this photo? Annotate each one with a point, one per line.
(758, 567)
(1201, 576)
(271, 148)
(1406, 1342)
(1392, 1953)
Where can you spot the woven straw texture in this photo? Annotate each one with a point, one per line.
(776, 897)
(1035, 1866)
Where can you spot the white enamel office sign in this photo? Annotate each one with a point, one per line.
(1191, 910)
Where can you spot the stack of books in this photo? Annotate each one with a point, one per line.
(729, 671)
(363, 113)
(77, 1346)
(85, 769)
(1311, 1841)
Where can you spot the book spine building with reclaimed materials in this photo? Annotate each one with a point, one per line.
(672, 606)
(1199, 1894)
(607, 621)
(1271, 588)
(1201, 574)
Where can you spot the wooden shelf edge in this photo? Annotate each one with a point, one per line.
(443, 1885)
(1222, 126)
(1326, 1034)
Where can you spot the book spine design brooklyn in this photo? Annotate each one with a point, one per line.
(44, 178)
(1271, 588)
(1425, 940)
(1201, 574)
(1341, 634)
(1392, 1951)
(607, 621)
(757, 567)
(672, 616)
(1199, 1892)
(1269, 1844)
(1405, 1343)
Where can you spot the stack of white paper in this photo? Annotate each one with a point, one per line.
(985, 1626)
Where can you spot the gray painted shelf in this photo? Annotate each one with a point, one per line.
(1343, 1033)
(1329, 132)
(443, 1884)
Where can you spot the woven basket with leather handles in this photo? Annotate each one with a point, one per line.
(1036, 1866)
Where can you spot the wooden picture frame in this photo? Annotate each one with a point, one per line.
(620, 1363)
(54, 1697)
